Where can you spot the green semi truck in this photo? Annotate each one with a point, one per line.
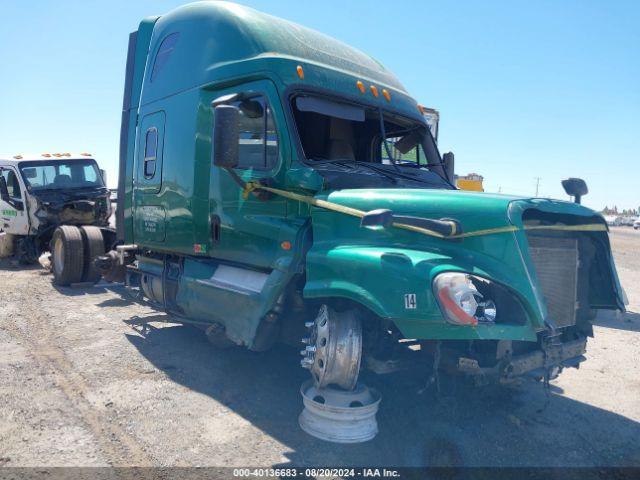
(260, 200)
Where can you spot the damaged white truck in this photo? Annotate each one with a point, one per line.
(38, 194)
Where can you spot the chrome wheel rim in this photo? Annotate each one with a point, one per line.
(334, 348)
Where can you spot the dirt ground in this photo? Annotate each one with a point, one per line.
(88, 378)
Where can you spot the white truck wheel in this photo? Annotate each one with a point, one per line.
(93, 244)
(67, 253)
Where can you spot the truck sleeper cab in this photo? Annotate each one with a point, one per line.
(226, 108)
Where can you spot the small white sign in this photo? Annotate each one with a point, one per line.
(410, 302)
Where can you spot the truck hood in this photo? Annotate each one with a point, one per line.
(350, 261)
(51, 207)
(461, 205)
(474, 210)
(59, 196)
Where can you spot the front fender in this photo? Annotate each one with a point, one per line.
(380, 278)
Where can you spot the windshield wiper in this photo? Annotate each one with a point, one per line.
(351, 163)
(334, 161)
(379, 170)
(396, 173)
(391, 175)
(410, 164)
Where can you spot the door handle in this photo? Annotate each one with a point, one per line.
(215, 228)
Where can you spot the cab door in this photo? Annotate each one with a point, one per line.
(248, 230)
(149, 226)
(14, 218)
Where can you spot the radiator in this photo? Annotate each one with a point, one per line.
(556, 263)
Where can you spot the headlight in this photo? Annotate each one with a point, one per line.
(42, 212)
(460, 300)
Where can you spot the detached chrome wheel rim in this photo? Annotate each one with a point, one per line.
(334, 348)
(58, 255)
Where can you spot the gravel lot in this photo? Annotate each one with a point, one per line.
(90, 378)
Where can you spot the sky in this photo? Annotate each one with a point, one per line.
(528, 92)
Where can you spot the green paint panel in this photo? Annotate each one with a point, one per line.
(377, 268)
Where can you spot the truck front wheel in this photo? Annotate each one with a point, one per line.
(334, 348)
(67, 251)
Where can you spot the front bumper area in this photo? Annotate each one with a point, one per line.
(551, 359)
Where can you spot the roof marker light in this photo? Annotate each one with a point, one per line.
(360, 86)
(46, 155)
(386, 94)
(286, 245)
(300, 72)
(374, 90)
(85, 154)
(18, 157)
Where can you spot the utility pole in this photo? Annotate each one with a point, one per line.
(537, 185)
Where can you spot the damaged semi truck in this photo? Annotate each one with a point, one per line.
(261, 198)
(38, 194)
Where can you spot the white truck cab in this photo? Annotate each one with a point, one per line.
(39, 193)
(14, 219)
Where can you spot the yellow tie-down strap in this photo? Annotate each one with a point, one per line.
(354, 212)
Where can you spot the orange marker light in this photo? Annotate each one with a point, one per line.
(360, 86)
(46, 155)
(300, 72)
(18, 157)
(374, 90)
(286, 245)
(386, 94)
(420, 108)
(84, 154)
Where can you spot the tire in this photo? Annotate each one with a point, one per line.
(93, 244)
(67, 252)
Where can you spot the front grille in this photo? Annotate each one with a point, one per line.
(556, 262)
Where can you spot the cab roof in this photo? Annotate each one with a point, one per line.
(216, 40)
(24, 157)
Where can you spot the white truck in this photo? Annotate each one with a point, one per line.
(38, 194)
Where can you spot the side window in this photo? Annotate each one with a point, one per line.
(13, 186)
(164, 52)
(5, 174)
(150, 152)
(90, 174)
(258, 140)
(414, 155)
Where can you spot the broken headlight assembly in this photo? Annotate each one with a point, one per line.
(471, 300)
(43, 210)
